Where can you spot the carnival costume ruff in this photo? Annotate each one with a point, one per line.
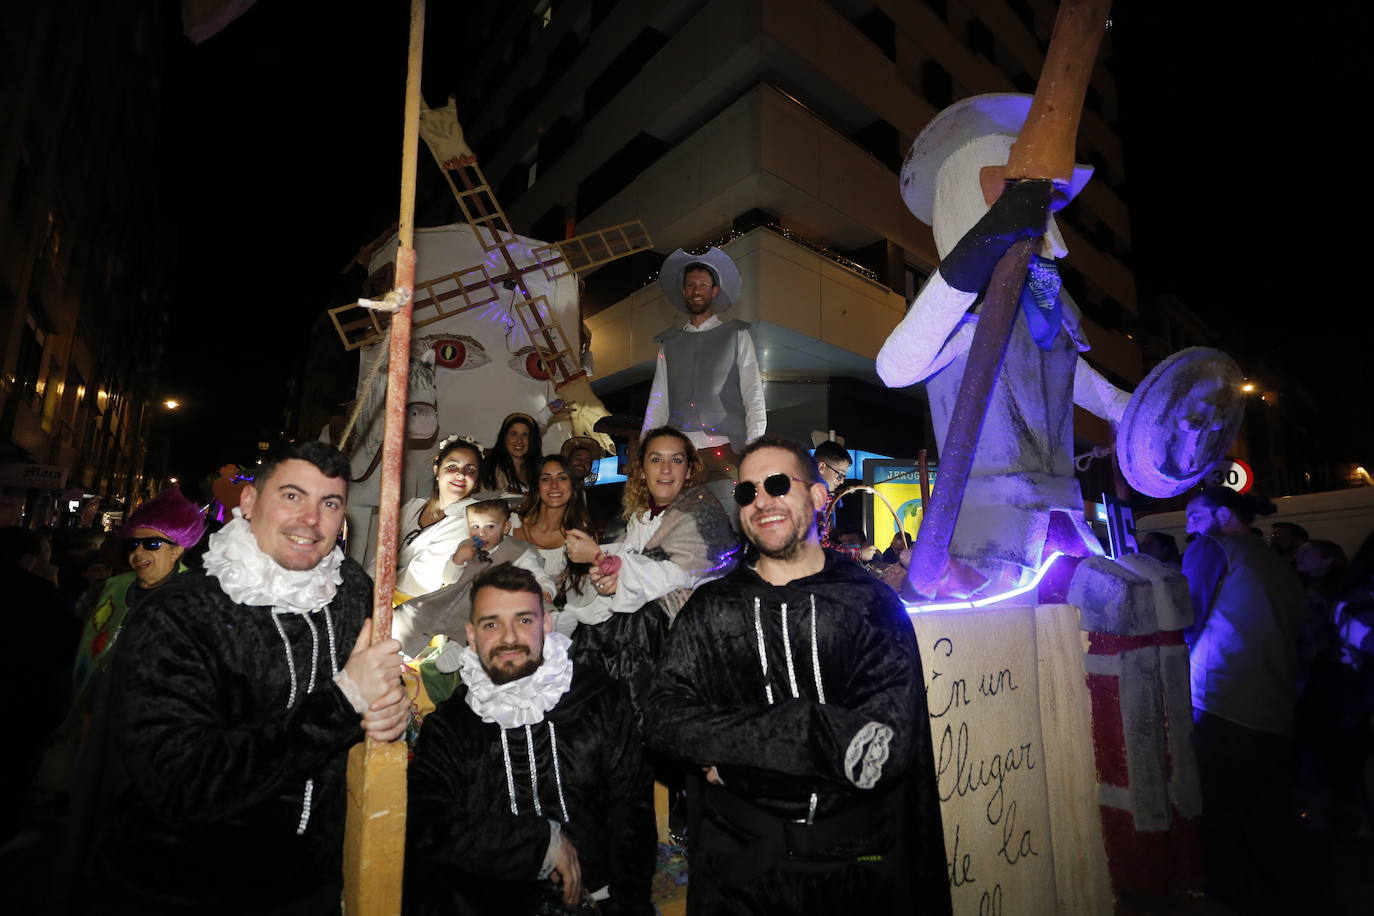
(219, 751)
(501, 769)
(809, 701)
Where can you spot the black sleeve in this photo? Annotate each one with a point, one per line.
(184, 750)
(444, 830)
(630, 820)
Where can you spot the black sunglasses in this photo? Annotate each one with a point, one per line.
(774, 485)
(148, 543)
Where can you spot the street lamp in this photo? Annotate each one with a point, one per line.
(171, 404)
(1248, 387)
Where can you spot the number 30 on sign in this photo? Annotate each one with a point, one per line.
(1231, 472)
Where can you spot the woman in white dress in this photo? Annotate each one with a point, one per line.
(431, 529)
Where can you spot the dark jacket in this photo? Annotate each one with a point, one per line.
(467, 853)
(830, 726)
(213, 777)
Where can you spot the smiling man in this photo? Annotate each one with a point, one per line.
(707, 382)
(794, 686)
(528, 791)
(215, 775)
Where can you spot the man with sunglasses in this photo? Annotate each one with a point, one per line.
(794, 687)
(214, 779)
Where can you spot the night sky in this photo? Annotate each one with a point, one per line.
(282, 159)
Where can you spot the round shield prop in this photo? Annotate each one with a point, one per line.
(1180, 421)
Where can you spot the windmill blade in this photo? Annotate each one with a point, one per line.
(541, 325)
(474, 286)
(592, 249)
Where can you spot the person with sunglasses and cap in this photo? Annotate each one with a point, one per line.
(707, 381)
(794, 688)
(156, 535)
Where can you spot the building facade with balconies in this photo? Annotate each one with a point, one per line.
(83, 309)
(777, 129)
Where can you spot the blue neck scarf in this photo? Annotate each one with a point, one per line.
(1040, 301)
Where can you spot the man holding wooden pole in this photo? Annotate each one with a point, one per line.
(214, 777)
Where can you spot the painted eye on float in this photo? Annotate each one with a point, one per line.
(460, 352)
(529, 363)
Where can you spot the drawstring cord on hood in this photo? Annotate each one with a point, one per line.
(557, 774)
(763, 655)
(534, 772)
(510, 773)
(291, 697)
(791, 668)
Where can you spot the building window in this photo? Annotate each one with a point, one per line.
(980, 39)
(617, 172)
(913, 279)
(30, 361)
(621, 71)
(937, 87)
(880, 30)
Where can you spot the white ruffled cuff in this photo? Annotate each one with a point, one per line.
(867, 752)
(351, 692)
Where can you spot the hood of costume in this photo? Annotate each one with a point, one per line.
(482, 794)
(219, 750)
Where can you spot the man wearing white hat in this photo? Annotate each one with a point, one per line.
(1022, 474)
(707, 382)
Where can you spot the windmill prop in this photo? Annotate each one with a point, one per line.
(479, 285)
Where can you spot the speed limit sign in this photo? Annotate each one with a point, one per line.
(1231, 472)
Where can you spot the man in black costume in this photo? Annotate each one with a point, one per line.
(531, 774)
(213, 778)
(795, 687)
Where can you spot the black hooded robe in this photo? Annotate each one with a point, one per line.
(809, 700)
(468, 853)
(212, 781)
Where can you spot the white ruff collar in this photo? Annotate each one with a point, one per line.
(249, 576)
(525, 700)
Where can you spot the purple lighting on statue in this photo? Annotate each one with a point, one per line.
(991, 599)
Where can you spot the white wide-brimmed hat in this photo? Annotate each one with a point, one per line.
(961, 123)
(721, 265)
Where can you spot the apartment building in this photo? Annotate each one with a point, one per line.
(83, 306)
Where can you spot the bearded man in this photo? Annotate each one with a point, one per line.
(528, 791)
(795, 688)
(707, 381)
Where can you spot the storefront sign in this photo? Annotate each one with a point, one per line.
(33, 476)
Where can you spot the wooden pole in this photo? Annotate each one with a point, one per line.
(1044, 149)
(374, 835)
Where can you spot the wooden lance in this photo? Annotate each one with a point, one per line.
(374, 835)
(1044, 149)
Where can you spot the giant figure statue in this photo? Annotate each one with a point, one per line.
(1022, 501)
(1023, 468)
